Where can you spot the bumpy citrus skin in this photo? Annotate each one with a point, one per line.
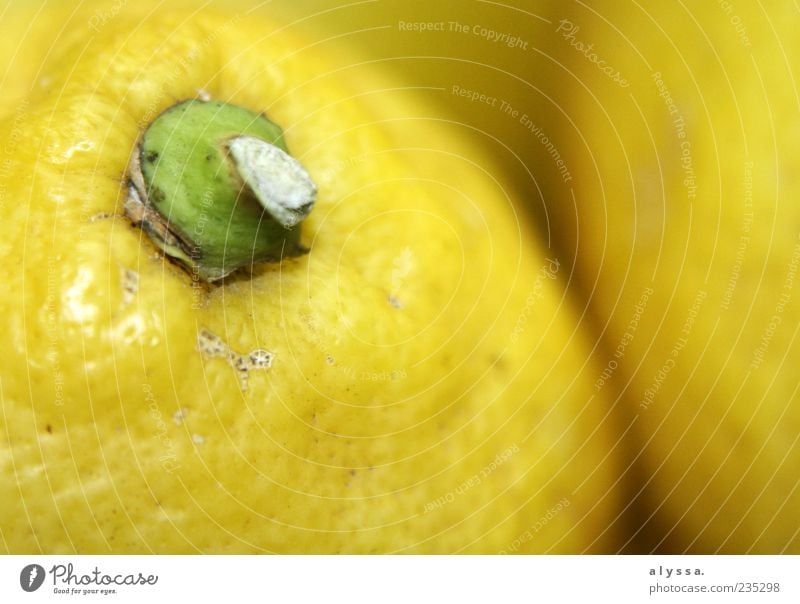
(429, 390)
(687, 196)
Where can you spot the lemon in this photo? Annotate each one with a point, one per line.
(416, 382)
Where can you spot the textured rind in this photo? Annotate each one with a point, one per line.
(402, 366)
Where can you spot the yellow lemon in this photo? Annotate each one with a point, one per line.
(416, 382)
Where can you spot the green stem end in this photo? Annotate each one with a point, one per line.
(214, 187)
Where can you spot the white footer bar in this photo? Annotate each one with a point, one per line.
(400, 579)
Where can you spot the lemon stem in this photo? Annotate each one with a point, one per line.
(214, 187)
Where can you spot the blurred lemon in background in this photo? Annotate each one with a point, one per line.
(686, 237)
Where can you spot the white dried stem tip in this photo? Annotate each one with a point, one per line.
(279, 182)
